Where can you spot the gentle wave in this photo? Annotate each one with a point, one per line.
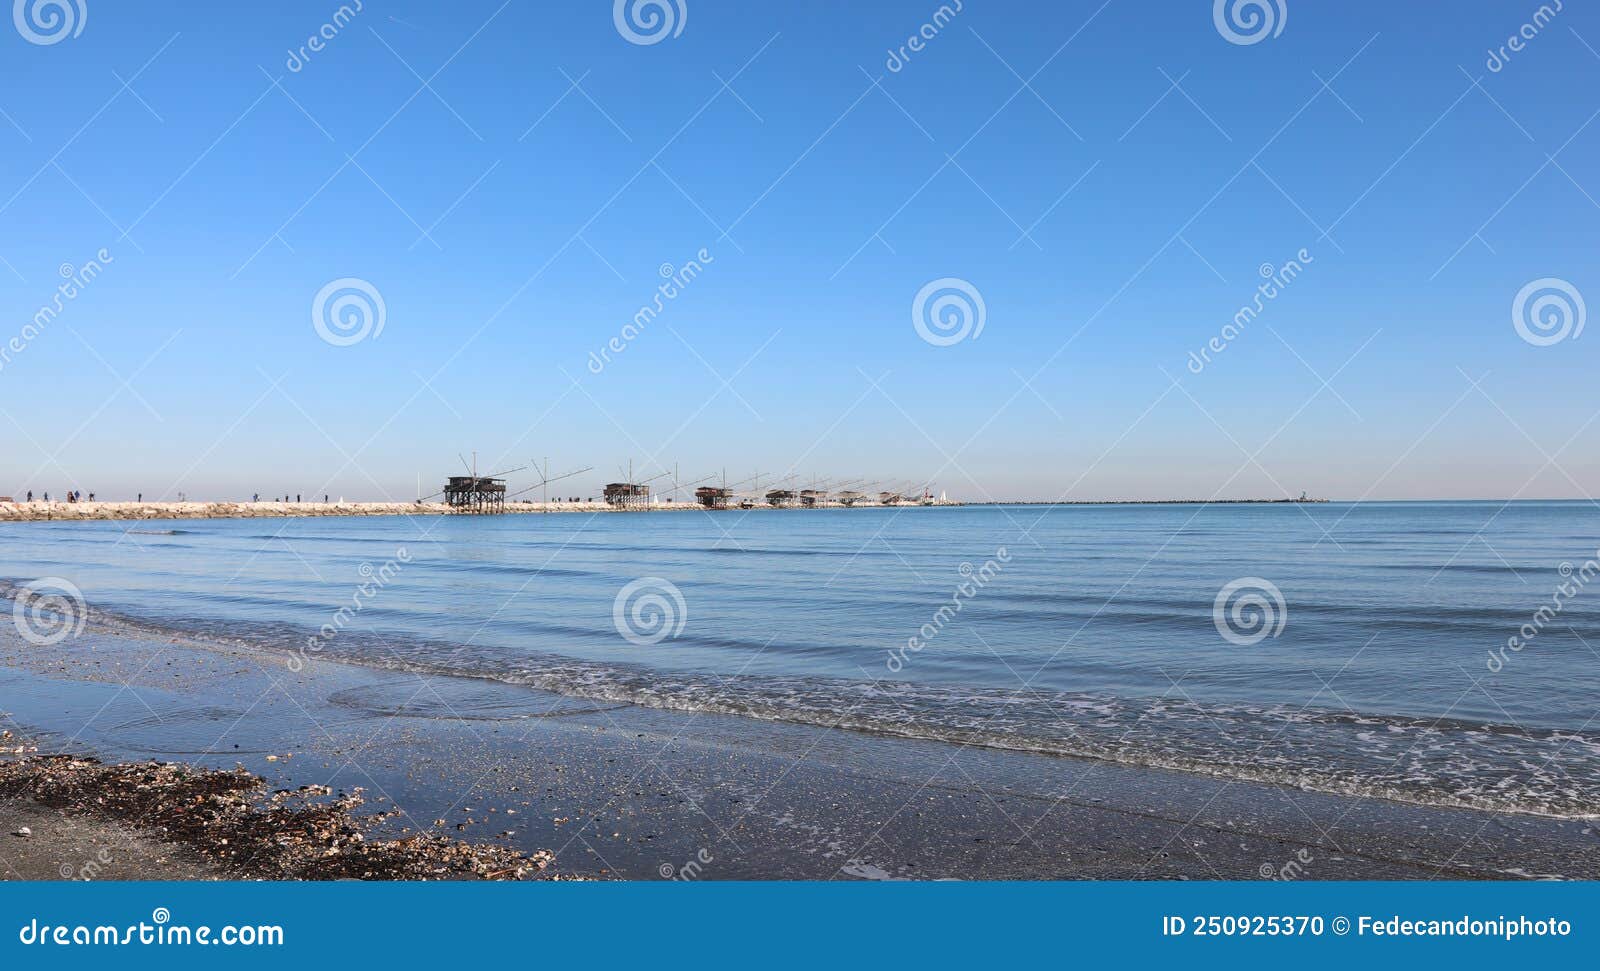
(1445, 762)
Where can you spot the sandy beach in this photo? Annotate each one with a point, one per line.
(170, 820)
(619, 791)
(62, 845)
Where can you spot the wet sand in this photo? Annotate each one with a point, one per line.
(240, 829)
(65, 846)
(638, 793)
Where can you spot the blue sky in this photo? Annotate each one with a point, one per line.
(1114, 213)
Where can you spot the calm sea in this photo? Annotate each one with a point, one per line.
(1358, 648)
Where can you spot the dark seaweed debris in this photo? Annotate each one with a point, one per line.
(304, 834)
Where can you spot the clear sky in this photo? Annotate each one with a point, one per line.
(512, 179)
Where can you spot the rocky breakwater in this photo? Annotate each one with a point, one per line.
(51, 511)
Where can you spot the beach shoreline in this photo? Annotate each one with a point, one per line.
(172, 820)
(621, 791)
